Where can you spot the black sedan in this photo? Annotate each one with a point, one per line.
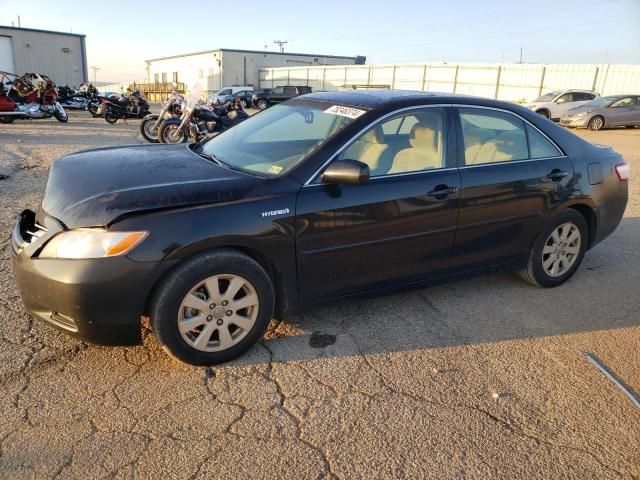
(324, 197)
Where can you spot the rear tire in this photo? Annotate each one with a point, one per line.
(110, 117)
(148, 132)
(557, 251)
(61, 116)
(194, 314)
(596, 123)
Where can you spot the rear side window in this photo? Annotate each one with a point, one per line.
(492, 136)
(539, 146)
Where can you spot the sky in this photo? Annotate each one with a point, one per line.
(121, 35)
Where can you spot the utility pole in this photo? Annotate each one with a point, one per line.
(520, 55)
(281, 44)
(95, 71)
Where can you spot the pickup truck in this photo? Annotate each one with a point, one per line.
(278, 94)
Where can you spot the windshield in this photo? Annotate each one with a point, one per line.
(276, 140)
(547, 97)
(601, 101)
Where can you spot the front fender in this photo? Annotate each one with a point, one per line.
(151, 116)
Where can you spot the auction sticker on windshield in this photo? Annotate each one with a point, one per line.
(345, 111)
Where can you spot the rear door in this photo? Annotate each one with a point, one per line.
(397, 228)
(277, 95)
(623, 112)
(512, 178)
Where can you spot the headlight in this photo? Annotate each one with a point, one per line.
(91, 243)
(582, 114)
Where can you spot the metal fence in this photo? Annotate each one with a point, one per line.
(512, 82)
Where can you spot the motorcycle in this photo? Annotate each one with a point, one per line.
(76, 99)
(133, 106)
(30, 96)
(172, 108)
(199, 121)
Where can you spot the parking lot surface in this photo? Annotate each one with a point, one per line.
(483, 378)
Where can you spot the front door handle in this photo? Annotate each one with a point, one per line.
(442, 191)
(557, 174)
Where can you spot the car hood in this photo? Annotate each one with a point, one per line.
(95, 187)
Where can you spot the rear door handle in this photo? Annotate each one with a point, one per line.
(557, 174)
(442, 191)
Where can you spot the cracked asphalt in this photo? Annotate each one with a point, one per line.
(478, 379)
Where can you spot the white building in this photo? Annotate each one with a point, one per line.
(59, 55)
(215, 69)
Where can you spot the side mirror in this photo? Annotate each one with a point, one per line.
(561, 100)
(347, 172)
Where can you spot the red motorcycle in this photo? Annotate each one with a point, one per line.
(27, 97)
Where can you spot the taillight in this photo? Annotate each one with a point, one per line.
(624, 171)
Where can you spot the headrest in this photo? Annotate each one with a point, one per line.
(422, 137)
(375, 135)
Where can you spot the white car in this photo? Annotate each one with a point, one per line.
(555, 104)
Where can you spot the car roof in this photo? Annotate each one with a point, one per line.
(370, 98)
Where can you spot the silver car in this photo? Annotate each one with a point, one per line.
(611, 111)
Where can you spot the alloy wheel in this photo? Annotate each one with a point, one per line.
(597, 123)
(561, 249)
(218, 313)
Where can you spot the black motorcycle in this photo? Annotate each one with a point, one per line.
(150, 125)
(199, 121)
(132, 106)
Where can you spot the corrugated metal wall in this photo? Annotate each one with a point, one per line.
(512, 82)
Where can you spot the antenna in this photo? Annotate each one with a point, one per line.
(281, 44)
(95, 71)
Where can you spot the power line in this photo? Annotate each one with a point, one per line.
(280, 44)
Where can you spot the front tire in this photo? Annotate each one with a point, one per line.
(172, 133)
(212, 308)
(7, 120)
(544, 112)
(262, 104)
(596, 123)
(148, 132)
(557, 251)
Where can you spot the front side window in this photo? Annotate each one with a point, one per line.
(277, 91)
(290, 90)
(278, 139)
(226, 91)
(492, 136)
(405, 143)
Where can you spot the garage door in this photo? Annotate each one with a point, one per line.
(6, 55)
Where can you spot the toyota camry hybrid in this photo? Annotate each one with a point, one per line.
(324, 197)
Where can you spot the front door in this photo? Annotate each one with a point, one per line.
(512, 178)
(397, 228)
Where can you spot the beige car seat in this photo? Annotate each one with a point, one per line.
(368, 149)
(508, 145)
(425, 151)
